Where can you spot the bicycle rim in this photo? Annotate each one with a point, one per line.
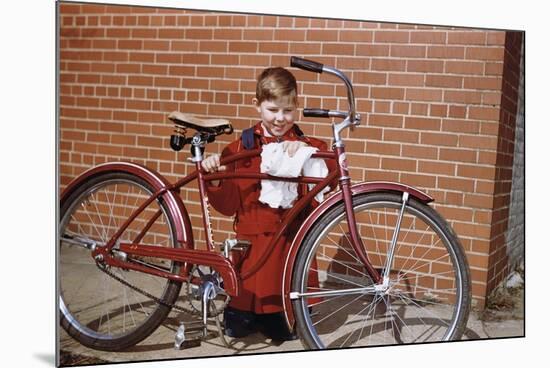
(425, 300)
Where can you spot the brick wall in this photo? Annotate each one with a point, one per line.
(498, 257)
(515, 236)
(436, 101)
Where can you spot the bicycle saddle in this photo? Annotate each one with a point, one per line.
(216, 126)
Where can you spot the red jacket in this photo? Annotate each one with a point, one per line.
(257, 222)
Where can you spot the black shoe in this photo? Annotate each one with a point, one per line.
(273, 326)
(238, 323)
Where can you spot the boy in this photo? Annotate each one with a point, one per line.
(259, 307)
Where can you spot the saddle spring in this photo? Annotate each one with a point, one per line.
(178, 139)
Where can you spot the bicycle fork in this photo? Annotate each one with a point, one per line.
(356, 241)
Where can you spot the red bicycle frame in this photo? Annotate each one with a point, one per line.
(209, 257)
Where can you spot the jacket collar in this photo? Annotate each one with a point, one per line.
(259, 131)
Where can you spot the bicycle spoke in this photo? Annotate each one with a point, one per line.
(344, 249)
(403, 297)
(345, 265)
(339, 309)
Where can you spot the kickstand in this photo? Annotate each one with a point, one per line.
(220, 331)
(219, 325)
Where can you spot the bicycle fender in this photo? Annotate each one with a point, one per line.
(177, 209)
(360, 188)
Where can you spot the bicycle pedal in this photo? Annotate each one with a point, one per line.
(190, 335)
(234, 244)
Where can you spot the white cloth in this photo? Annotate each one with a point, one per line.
(276, 162)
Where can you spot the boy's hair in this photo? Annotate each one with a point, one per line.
(277, 84)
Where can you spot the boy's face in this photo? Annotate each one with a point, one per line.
(277, 117)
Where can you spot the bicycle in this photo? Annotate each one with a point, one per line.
(388, 268)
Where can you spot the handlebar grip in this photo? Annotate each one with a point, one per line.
(316, 113)
(305, 64)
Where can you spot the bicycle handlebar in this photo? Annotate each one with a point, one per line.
(309, 65)
(313, 66)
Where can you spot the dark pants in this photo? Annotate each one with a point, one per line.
(241, 323)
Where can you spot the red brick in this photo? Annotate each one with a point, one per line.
(289, 35)
(462, 97)
(456, 154)
(438, 110)
(408, 51)
(419, 109)
(387, 93)
(356, 36)
(466, 37)
(464, 67)
(369, 78)
(491, 98)
(461, 126)
(454, 183)
(483, 113)
(385, 120)
(228, 34)
(422, 123)
(423, 94)
(190, 33)
(436, 167)
(144, 33)
(419, 152)
(338, 49)
(382, 148)
(399, 135)
(258, 34)
(321, 35)
(422, 181)
(446, 52)
(447, 81)
(406, 79)
(400, 108)
(478, 201)
(482, 83)
(399, 164)
(388, 64)
(496, 38)
(305, 48)
(478, 141)
(476, 172)
(428, 37)
(372, 50)
(391, 36)
(485, 53)
(439, 139)
(426, 66)
(454, 213)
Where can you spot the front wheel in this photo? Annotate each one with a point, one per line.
(427, 294)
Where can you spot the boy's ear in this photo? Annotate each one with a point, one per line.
(256, 103)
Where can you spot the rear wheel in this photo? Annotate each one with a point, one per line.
(95, 308)
(426, 298)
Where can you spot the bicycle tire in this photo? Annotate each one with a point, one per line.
(121, 317)
(436, 308)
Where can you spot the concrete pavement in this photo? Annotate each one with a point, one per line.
(160, 345)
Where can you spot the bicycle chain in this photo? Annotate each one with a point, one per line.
(143, 292)
(193, 312)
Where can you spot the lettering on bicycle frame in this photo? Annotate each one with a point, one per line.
(342, 161)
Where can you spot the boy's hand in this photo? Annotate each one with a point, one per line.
(212, 164)
(291, 147)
